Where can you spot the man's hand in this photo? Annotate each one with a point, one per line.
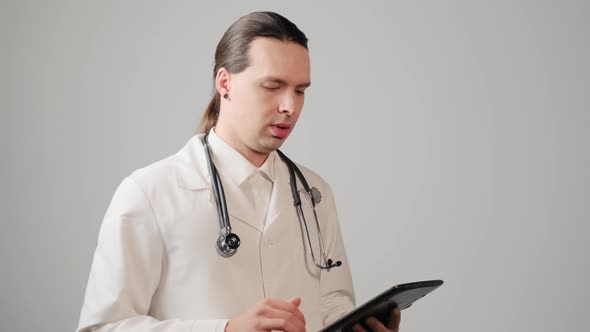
(377, 326)
(269, 315)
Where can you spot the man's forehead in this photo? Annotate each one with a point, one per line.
(270, 43)
(273, 58)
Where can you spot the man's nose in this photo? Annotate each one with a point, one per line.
(287, 103)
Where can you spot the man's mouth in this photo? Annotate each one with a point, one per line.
(280, 130)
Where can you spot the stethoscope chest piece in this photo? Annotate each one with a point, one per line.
(316, 195)
(228, 244)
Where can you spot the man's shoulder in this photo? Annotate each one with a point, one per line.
(163, 171)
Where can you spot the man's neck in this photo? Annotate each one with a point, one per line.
(254, 157)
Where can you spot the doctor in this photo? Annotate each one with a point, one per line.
(159, 266)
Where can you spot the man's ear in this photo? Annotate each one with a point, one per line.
(222, 81)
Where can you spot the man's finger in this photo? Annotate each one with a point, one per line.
(295, 301)
(280, 324)
(286, 306)
(395, 319)
(358, 328)
(376, 325)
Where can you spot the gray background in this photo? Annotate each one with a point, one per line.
(454, 134)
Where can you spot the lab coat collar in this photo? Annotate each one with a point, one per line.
(190, 165)
(281, 199)
(192, 173)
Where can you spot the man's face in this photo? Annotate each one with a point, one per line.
(266, 98)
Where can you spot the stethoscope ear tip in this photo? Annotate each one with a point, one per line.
(330, 264)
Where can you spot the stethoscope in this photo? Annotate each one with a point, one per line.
(228, 242)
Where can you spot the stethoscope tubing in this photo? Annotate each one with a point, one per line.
(218, 191)
(226, 250)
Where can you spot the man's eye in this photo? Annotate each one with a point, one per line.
(272, 88)
(301, 93)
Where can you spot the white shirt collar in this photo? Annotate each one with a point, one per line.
(232, 164)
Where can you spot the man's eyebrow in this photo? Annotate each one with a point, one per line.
(281, 81)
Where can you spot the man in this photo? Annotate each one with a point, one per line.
(157, 266)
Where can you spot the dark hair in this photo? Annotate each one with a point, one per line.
(232, 50)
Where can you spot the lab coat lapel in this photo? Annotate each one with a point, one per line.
(238, 207)
(281, 201)
(192, 173)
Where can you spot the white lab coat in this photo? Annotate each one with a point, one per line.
(156, 267)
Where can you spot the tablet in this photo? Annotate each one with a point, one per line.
(380, 307)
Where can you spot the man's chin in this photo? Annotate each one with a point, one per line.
(273, 144)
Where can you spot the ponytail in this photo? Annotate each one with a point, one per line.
(210, 116)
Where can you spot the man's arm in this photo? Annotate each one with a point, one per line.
(336, 284)
(126, 270)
